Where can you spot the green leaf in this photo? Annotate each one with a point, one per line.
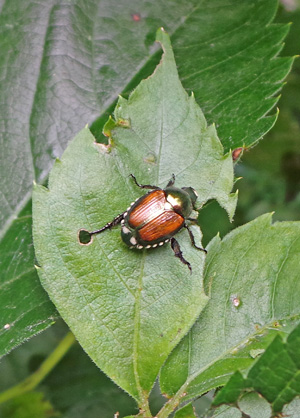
(29, 405)
(292, 409)
(73, 386)
(133, 309)
(225, 411)
(83, 391)
(186, 412)
(231, 391)
(250, 405)
(252, 277)
(275, 375)
(235, 71)
(253, 405)
(60, 91)
(25, 306)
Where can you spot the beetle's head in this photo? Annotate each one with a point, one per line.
(192, 193)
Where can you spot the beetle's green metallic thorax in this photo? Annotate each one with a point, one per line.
(180, 200)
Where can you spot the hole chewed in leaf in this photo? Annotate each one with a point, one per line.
(84, 237)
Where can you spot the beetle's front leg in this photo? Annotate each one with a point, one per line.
(144, 186)
(178, 253)
(193, 239)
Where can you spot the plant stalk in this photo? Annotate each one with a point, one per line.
(32, 381)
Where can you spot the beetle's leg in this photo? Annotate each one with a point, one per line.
(144, 186)
(171, 181)
(85, 237)
(109, 225)
(178, 253)
(192, 219)
(193, 239)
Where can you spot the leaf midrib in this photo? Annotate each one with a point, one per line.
(136, 332)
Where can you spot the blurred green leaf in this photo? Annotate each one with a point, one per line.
(253, 405)
(186, 412)
(292, 409)
(275, 375)
(225, 411)
(250, 405)
(271, 172)
(75, 388)
(29, 405)
(235, 70)
(231, 391)
(25, 307)
(78, 389)
(252, 277)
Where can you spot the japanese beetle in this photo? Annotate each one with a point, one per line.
(155, 218)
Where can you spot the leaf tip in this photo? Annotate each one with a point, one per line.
(266, 218)
(162, 37)
(109, 126)
(160, 32)
(233, 197)
(237, 179)
(39, 188)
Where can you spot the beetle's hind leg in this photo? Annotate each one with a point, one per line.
(178, 253)
(85, 237)
(109, 225)
(193, 239)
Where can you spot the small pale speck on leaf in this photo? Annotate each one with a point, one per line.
(136, 17)
(236, 301)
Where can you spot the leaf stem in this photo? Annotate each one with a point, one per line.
(172, 404)
(45, 368)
